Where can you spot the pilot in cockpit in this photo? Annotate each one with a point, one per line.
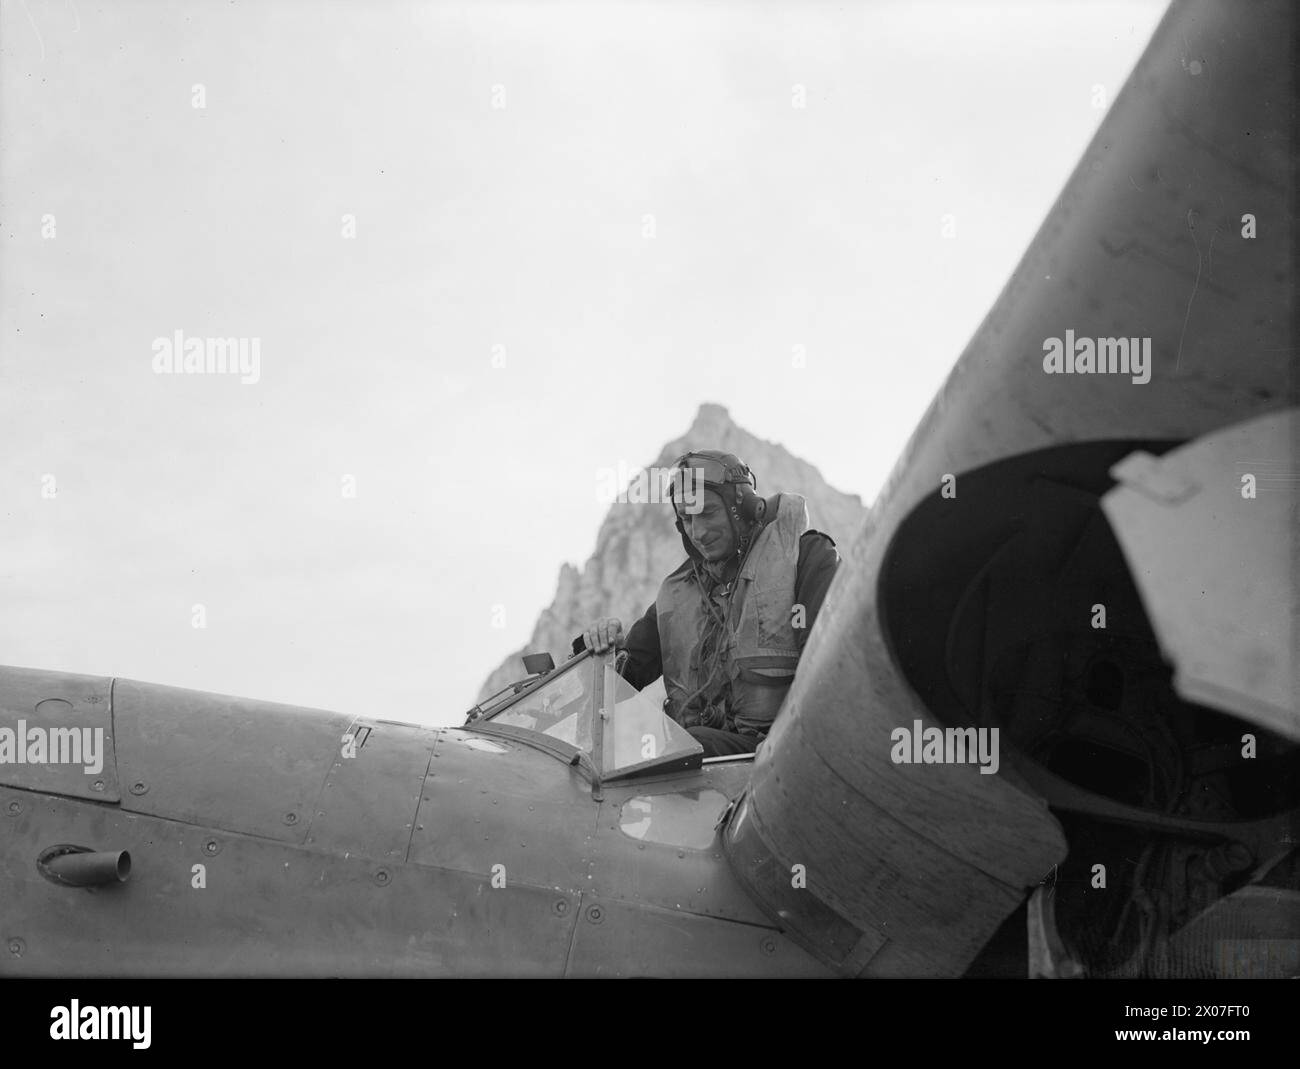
(729, 624)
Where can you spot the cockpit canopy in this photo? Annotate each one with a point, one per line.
(589, 706)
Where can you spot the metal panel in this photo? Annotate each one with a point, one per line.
(232, 763)
(267, 908)
(31, 699)
(815, 925)
(620, 939)
(520, 808)
(672, 875)
(369, 802)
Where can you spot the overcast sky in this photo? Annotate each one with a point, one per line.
(484, 251)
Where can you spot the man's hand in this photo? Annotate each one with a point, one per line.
(603, 634)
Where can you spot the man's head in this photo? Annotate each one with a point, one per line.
(715, 503)
(709, 528)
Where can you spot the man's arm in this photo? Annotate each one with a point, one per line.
(818, 561)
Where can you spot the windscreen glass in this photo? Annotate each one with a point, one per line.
(562, 708)
(638, 732)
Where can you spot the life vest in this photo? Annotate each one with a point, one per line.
(758, 650)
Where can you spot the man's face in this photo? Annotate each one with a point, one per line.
(709, 529)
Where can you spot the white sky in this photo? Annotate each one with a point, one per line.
(522, 226)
